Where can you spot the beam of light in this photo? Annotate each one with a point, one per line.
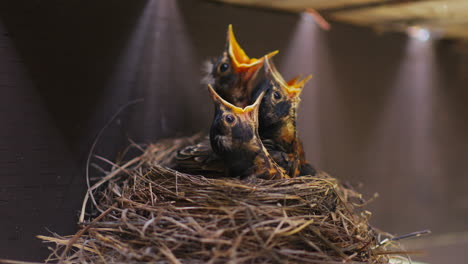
(410, 103)
(306, 48)
(419, 33)
(118, 91)
(158, 65)
(404, 146)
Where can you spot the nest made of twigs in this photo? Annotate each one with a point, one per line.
(150, 213)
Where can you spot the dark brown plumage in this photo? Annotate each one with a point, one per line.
(199, 159)
(238, 80)
(232, 75)
(277, 120)
(234, 138)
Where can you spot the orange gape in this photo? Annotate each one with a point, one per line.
(241, 143)
(233, 73)
(240, 60)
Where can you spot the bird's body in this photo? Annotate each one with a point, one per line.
(232, 75)
(238, 81)
(277, 120)
(234, 138)
(199, 159)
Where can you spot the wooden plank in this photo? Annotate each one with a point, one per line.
(448, 19)
(454, 31)
(414, 11)
(40, 185)
(447, 16)
(299, 5)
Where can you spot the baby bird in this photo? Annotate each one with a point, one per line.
(277, 120)
(232, 73)
(234, 138)
(199, 159)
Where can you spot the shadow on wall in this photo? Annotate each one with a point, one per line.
(70, 50)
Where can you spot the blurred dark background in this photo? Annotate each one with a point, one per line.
(382, 111)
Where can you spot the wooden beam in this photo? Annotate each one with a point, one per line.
(300, 5)
(411, 11)
(449, 17)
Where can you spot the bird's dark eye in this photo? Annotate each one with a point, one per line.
(223, 67)
(277, 95)
(229, 118)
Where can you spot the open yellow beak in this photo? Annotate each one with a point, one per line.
(294, 86)
(242, 62)
(236, 110)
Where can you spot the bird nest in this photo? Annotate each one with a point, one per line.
(151, 213)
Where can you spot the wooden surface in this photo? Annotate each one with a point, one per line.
(40, 184)
(445, 18)
(379, 110)
(300, 5)
(449, 11)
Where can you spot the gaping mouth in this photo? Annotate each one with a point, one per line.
(233, 108)
(292, 87)
(242, 62)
